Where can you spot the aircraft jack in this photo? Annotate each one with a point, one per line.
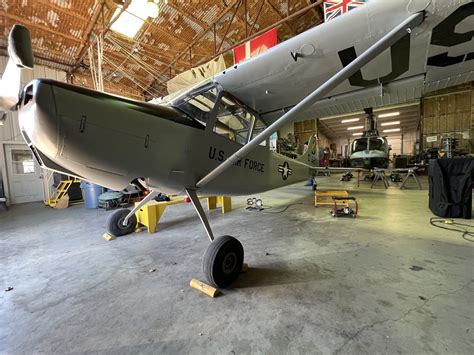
(223, 259)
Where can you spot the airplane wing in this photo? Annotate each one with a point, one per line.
(435, 55)
(385, 52)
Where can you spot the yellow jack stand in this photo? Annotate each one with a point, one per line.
(150, 214)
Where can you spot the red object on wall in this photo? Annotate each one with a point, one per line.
(255, 46)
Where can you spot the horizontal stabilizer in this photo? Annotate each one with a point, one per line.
(311, 155)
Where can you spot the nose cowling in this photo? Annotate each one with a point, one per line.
(38, 120)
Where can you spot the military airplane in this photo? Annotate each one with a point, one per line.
(213, 138)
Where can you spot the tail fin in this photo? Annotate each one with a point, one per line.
(311, 156)
(21, 57)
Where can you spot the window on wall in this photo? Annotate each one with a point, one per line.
(22, 162)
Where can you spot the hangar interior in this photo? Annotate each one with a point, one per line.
(395, 277)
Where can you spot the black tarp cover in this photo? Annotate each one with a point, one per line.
(450, 187)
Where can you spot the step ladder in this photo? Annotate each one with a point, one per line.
(59, 192)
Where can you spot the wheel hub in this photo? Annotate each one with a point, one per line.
(229, 263)
(121, 225)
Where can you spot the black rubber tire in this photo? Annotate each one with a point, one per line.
(114, 223)
(222, 261)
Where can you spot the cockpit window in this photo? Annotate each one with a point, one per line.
(359, 145)
(199, 105)
(233, 120)
(377, 143)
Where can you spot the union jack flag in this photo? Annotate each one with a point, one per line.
(334, 8)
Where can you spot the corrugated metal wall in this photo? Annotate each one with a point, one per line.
(10, 131)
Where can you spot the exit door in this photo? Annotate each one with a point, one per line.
(24, 175)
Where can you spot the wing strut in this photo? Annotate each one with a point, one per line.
(372, 52)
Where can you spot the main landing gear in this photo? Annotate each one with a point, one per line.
(223, 259)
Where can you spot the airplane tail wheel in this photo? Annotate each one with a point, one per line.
(223, 261)
(115, 225)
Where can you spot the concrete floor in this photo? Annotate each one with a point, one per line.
(315, 285)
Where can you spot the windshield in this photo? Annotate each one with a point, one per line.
(359, 145)
(378, 143)
(198, 105)
(233, 119)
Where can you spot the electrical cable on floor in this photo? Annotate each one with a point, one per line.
(283, 210)
(466, 233)
(269, 207)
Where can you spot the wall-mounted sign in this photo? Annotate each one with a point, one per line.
(431, 139)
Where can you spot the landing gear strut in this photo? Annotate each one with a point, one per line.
(124, 221)
(223, 259)
(116, 225)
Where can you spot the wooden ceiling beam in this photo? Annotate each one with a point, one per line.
(67, 12)
(53, 61)
(87, 35)
(201, 35)
(37, 26)
(294, 15)
(153, 50)
(188, 15)
(317, 10)
(286, 24)
(168, 34)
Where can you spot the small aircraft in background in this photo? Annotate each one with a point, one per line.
(213, 138)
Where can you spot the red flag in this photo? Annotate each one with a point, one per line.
(255, 46)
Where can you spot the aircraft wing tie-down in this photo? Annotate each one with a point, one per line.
(224, 257)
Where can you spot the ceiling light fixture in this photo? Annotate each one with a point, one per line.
(391, 114)
(357, 134)
(390, 123)
(153, 9)
(355, 127)
(350, 120)
(391, 130)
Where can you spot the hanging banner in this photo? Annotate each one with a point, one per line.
(255, 46)
(335, 8)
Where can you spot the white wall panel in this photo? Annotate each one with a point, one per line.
(10, 130)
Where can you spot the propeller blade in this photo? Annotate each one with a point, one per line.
(10, 87)
(21, 57)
